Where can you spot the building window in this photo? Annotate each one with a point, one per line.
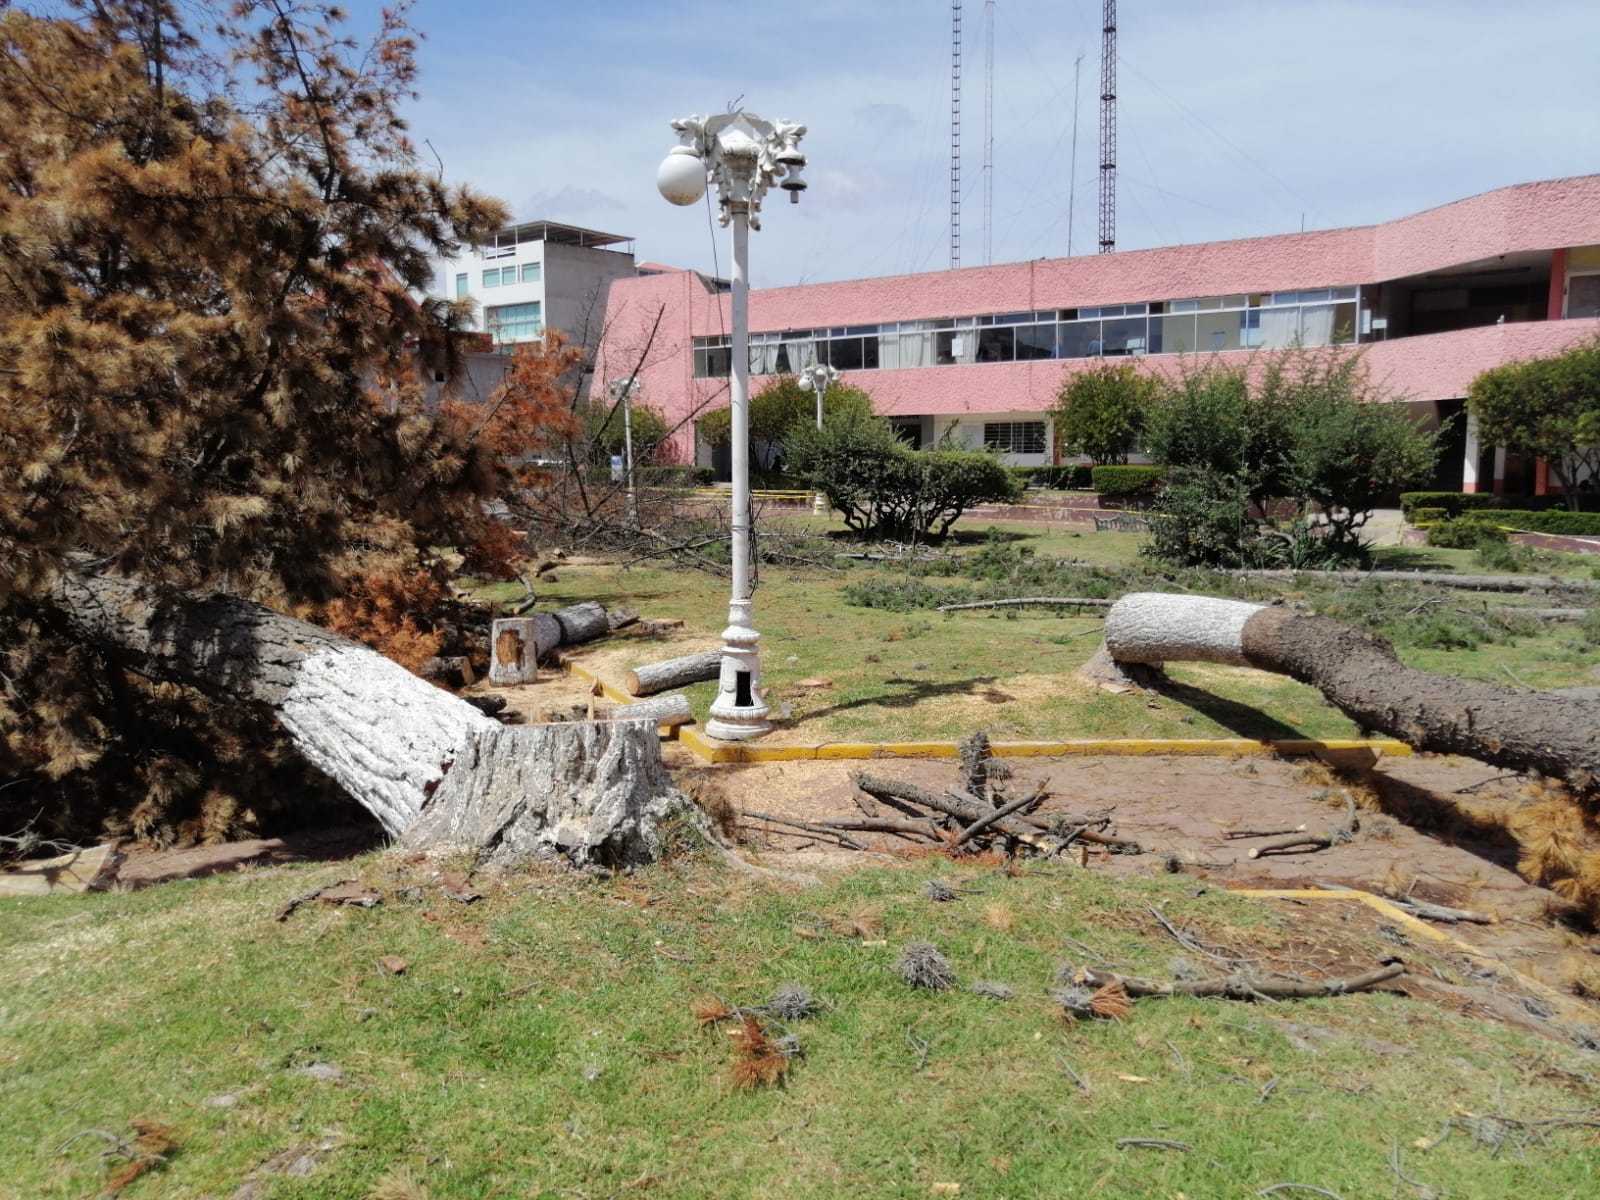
(713, 358)
(462, 291)
(513, 322)
(491, 278)
(531, 272)
(1014, 437)
(1583, 296)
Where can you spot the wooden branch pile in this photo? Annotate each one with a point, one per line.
(970, 819)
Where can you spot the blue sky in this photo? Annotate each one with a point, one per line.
(1236, 117)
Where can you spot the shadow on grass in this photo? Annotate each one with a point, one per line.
(915, 690)
(1241, 719)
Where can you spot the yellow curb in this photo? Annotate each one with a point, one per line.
(715, 751)
(1416, 925)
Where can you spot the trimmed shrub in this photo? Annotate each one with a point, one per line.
(1464, 533)
(1453, 503)
(1126, 481)
(1427, 516)
(1555, 520)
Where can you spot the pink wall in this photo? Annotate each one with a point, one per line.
(1528, 217)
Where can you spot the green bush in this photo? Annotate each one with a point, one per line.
(1464, 533)
(1453, 503)
(1457, 503)
(674, 476)
(1427, 516)
(1126, 481)
(885, 489)
(1555, 520)
(1202, 522)
(1072, 475)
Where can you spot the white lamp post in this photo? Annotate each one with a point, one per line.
(816, 379)
(744, 156)
(625, 390)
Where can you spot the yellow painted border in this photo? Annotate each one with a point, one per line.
(714, 751)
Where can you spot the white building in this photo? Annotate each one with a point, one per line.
(539, 275)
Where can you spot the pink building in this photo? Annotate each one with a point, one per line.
(979, 354)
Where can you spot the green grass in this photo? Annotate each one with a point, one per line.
(541, 1043)
(917, 675)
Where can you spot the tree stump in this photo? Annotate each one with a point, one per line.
(514, 653)
(431, 768)
(589, 792)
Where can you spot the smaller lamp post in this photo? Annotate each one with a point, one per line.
(623, 391)
(816, 379)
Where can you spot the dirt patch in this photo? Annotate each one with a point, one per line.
(1449, 848)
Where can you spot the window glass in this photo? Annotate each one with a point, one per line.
(997, 344)
(491, 277)
(1125, 335)
(1174, 335)
(1079, 339)
(531, 272)
(1014, 437)
(1583, 296)
(461, 286)
(514, 322)
(1036, 341)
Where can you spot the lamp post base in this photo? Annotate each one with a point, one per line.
(819, 505)
(739, 712)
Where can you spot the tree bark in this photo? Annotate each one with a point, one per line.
(409, 753)
(582, 622)
(587, 791)
(1359, 673)
(673, 672)
(670, 710)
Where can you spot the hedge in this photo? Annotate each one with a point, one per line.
(1126, 481)
(1456, 503)
(1072, 475)
(1558, 521)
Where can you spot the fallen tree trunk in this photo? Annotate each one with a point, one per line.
(1359, 673)
(1472, 583)
(673, 672)
(425, 764)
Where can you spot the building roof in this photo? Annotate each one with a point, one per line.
(567, 235)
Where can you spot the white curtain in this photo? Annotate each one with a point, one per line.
(1279, 327)
(1316, 325)
(801, 355)
(763, 358)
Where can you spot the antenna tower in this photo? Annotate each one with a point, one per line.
(955, 134)
(1108, 129)
(988, 132)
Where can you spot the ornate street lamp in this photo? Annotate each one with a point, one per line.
(744, 156)
(624, 390)
(816, 379)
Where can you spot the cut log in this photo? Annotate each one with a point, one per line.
(671, 711)
(583, 622)
(673, 672)
(1358, 672)
(425, 764)
(513, 653)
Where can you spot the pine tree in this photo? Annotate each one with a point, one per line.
(213, 235)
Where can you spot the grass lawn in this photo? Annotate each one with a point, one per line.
(543, 1043)
(900, 676)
